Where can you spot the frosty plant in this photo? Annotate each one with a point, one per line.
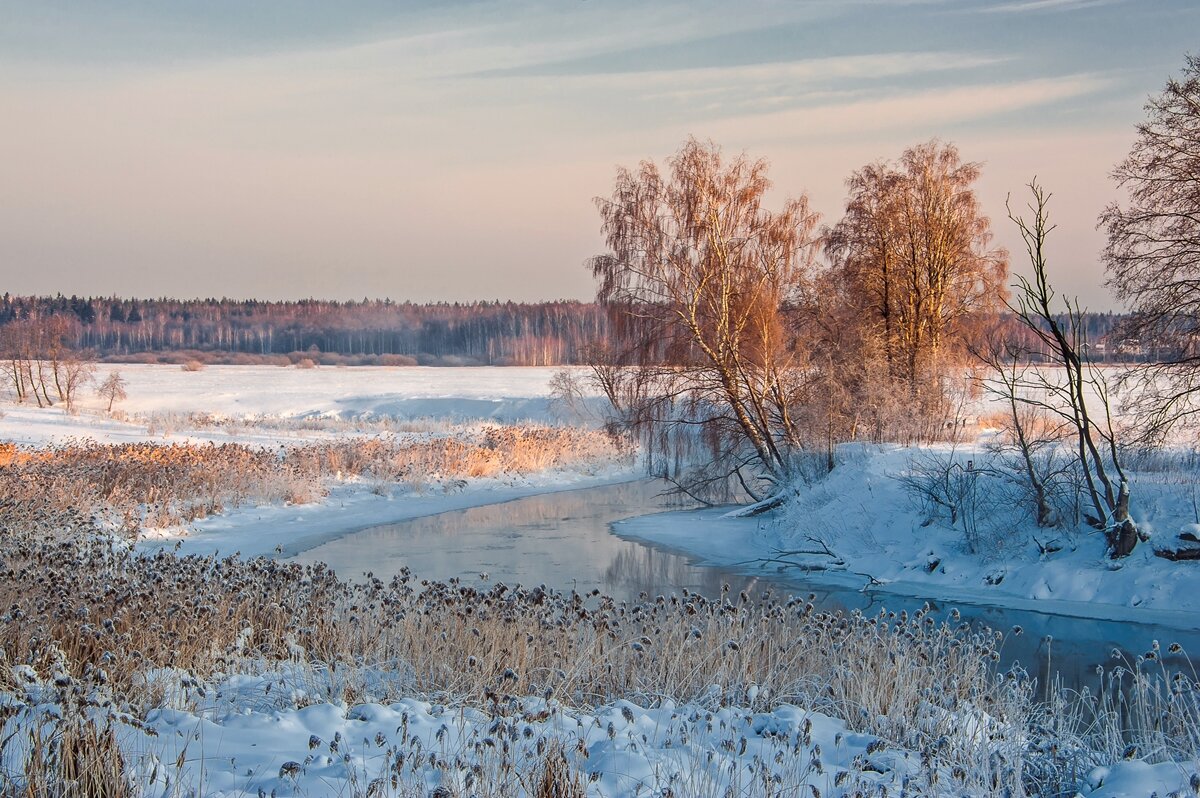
(1070, 398)
(81, 486)
(1034, 433)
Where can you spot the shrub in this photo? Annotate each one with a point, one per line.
(396, 360)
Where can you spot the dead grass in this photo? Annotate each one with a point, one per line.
(85, 486)
(79, 487)
(70, 756)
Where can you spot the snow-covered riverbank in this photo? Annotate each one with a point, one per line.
(268, 406)
(860, 526)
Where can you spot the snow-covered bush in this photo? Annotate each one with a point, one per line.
(987, 493)
(974, 492)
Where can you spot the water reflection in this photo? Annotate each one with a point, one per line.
(646, 570)
(564, 541)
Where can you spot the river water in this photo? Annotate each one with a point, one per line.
(565, 541)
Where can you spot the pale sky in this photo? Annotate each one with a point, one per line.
(280, 149)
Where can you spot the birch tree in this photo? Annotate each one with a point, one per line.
(913, 254)
(1153, 250)
(698, 280)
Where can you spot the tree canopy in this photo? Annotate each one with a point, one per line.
(1153, 249)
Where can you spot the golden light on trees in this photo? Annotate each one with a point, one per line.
(698, 280)
(913, 256)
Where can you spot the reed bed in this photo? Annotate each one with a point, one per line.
(97, 625)
(81, 486)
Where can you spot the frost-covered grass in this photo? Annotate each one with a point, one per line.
(227, 676)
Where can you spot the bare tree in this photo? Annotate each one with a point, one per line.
(112, 389)
(21, 341)
(1071, 399)
(55, 330)
(912, 254)
(697, 282)
(13, 348)
(1153, 251)
(73, 371)
(37, 356)
(1009, 375)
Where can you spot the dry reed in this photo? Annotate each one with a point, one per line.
(97, 620)
(85, 486)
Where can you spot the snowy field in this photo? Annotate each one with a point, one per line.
(272, 406)
(289, 400)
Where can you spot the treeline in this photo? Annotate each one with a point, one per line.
(484, 333)
(476, 333)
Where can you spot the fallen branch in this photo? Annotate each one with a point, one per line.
(758, 508)
(824, 551)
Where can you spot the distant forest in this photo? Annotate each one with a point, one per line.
(476, 333)
(368, 331)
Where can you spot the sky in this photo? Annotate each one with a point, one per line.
(452, 150)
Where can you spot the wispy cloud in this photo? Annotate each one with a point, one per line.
(923, 110)
(806, 70)
(706, 92)
(1045, 5)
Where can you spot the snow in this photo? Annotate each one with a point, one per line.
(863, 514)
(1137, 779)
(285, 733)
(165, 395)
(245, 735)
(269, 405)
(241, 734)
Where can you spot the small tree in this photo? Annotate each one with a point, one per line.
(75, 370)
(1071, 399)
(112, 389)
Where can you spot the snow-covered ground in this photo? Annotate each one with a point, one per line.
(247, 737)
(273, 406)
(271, 734)
(161, 397)
(876, 532)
